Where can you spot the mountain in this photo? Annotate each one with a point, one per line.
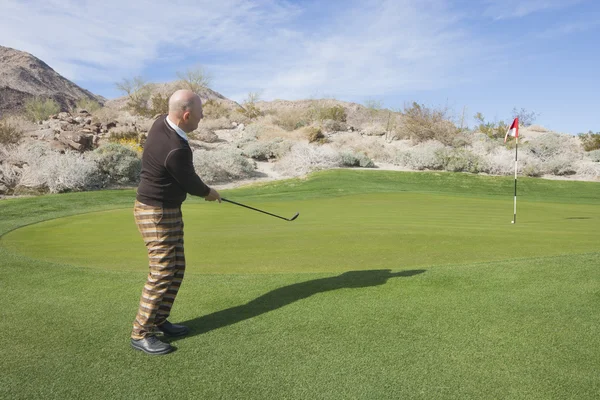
(24, 76)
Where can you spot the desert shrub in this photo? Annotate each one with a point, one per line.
(217, 166)
(159, 104)
(9, 177)
(115, 136)
(422, 156)
(330, 125)
(563, 164)
(459, 160)
(263, 151)
(421, 123)
(290, 119)
(10, 132)
(57, 173)
(138, 94)
(204, 135)
(557, 153)
(590, 141)
(494, 130)
(372, 147)
(499, 161)
(89, 105)
(304, 158)
(249, 107)
(588, 169)
(348, 159)
(215, 124)
(319, 112)
(373, 129)
(532, 167)
(38, 109)
(194, 79)
(214, 109)
(105, 115)
(119, 163)
(594, 155)
(314, 134)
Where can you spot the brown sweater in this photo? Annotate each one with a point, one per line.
(167, 169)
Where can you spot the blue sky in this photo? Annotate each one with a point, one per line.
(484, 56)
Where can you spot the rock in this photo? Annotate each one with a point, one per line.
(206, 135)
(59, 146)
(241, 127)
(79, 120)
(373, 130)
(79, 141)
(44, 134)
(88, 121)
(63, 115)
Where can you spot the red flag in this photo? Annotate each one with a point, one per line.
(513, 130)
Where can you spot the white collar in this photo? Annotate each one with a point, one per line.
(177, 129)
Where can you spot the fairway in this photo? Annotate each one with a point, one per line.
(388, 285)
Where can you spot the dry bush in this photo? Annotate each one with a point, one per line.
(119, 163)
(10, 176)
(215, 124)
(304, 158)
(263, 151)
(10, 131)
(373, 147)
(214, 109)
(314, 134)
(105, 116)
(351, 159)
(263, 129)
(219, 166)
(290, 119)
(330, 125)
(56, 173)
(421, 124)
(38, 109)
(594, 155)
(590, 141)
(88, 105)
(422, 156)
(204, 135)
(588, 170)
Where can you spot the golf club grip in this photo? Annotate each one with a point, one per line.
(252, 208)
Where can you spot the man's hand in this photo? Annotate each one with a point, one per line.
(213, 195)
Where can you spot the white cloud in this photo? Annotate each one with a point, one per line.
(364, 48)
(504, 9)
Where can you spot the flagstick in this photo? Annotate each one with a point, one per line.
(516, 159)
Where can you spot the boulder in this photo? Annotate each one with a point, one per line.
(79, 141)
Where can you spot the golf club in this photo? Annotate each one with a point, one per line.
(256, 209)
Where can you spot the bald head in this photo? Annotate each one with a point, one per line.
(185, 109)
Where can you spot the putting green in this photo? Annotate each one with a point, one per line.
(365, 231)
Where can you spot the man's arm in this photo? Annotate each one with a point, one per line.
(180, 165)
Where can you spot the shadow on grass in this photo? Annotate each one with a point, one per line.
(288, 294)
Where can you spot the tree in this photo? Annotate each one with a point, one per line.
(194, 79)
(526, 117)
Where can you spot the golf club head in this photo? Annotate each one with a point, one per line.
(294, 217)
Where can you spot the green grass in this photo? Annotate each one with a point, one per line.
(388, 285)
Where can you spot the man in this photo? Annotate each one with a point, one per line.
(167, 176)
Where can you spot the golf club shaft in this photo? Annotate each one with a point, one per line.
(252, 208)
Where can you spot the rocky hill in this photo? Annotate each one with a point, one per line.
(24, 76)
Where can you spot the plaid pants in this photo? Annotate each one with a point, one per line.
(162, 231)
